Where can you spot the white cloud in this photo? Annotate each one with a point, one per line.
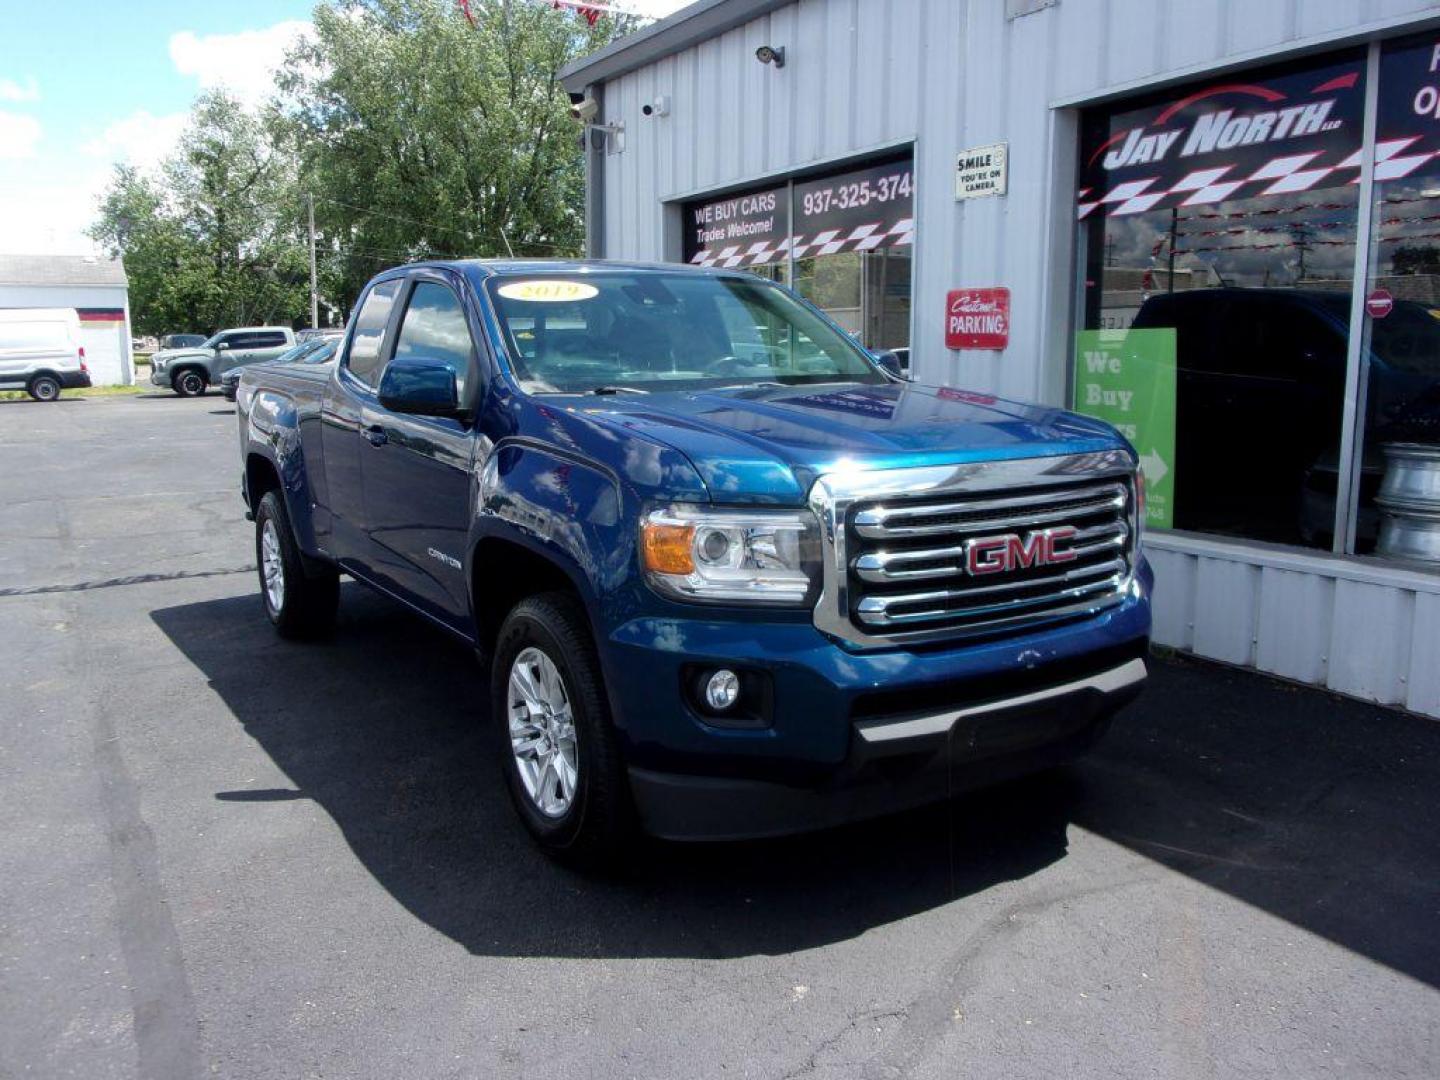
(14, 90)
(656, 9)
(46, 211)
(140, 139)
(243, 64)
(18, 135)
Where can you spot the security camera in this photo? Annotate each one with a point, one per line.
(768, 54)
(659, 107)
(585, 110)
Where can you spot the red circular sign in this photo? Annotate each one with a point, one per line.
(1379, 304)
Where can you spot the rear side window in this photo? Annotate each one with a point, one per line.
(236, 341)
(271, 340)
(435, 327)
(363, 359)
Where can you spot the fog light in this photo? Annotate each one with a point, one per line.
(722, 690)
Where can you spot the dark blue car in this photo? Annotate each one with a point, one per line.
(732, 576)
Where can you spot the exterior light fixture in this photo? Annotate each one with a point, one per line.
(768, 54)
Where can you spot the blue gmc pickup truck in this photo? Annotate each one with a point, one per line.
(734, 576)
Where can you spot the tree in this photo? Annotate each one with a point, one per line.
(214, 240)
(423, 135)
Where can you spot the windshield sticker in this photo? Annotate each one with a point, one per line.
(548, 292)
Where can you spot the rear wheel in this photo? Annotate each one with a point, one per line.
(44, 388)
(558, 750)
(299, 600)
(189, 383)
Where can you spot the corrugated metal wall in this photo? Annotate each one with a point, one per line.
(950, 74)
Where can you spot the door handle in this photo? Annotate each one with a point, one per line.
(374, 434)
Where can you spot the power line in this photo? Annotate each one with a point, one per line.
(424, 224)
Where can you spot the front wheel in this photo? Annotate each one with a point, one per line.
(557, 747)
(44, 388)
(300, 601)
(189, 383)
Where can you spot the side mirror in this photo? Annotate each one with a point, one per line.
(891, 363)
(223, 345)
(421, 385)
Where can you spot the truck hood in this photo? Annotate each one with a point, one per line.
(768, 444)
(169, 356)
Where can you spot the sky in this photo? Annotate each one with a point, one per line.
(85, 84)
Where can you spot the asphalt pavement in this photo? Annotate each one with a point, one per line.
(223, 854)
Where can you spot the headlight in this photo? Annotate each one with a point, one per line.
(729, 556)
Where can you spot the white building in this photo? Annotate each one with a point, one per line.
(1214, 222)
(96, 288)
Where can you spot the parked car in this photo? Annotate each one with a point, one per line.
(40, 351)
(313, 351)
(310, 333)
(189, 371)
(727, 589)
(170, 342)
(1272, 363)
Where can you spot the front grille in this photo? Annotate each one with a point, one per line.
(911, 560)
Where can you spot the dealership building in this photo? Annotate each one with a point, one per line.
(1215, 223)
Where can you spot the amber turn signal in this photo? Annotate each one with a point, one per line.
(667, 548)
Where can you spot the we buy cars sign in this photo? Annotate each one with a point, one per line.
(977, 318)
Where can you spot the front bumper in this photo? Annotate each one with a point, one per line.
(160, 377)
(858, 734)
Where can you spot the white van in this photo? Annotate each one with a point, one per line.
(40, 351)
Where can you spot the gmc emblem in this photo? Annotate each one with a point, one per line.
(998, 554)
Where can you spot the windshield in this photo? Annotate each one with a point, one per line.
(655, 331)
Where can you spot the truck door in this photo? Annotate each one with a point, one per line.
(417, 469)
(340, 523)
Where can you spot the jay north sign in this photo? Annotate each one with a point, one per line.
(1244, 137)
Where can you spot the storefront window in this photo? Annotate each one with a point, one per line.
(1397, 511)
(1218, 225)
(842, 240)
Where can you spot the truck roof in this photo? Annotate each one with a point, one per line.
(504, 267)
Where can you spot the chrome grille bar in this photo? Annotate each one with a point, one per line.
(878, 610)
(888, 566)
(885, 522)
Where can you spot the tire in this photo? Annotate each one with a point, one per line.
(299, 600)
(189, 382)
(44, 388)
(592, 827)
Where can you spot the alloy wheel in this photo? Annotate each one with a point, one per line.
(542, 732)
(272, 566)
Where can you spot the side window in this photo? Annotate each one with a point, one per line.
(434, 326)
(363, 359)
(238, 341)
(272, 340)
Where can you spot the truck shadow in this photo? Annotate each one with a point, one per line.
(1316, 810)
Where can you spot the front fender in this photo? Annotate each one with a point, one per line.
(567, 509)
(272, 431)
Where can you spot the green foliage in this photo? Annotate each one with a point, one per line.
(424, 136)
(215, 240)
(419, 136)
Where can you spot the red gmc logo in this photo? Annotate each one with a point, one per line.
(997, 554)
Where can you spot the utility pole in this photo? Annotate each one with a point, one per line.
(1174, 229)
(314, 289)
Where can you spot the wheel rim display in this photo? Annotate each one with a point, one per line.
(542, 732)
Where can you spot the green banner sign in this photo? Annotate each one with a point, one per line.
(1127, 377)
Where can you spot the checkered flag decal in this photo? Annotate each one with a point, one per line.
(1279, 176)
(826, 242)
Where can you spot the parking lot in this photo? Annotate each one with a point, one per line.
(225, 854)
